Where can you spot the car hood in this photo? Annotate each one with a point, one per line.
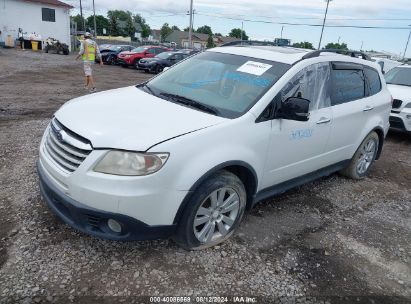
(400, 92)
(130, 119)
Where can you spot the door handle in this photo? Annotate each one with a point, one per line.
(368, 108)
(323, 120)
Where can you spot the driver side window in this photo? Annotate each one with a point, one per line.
(311, 83)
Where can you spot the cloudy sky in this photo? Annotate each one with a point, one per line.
(261, 18)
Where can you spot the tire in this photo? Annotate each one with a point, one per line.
(204, 223)
(110, 60)
(363, 158)
(124, 66)
(135, 65)
(158, 69)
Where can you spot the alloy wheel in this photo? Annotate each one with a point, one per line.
(367, 155)
(216, 215)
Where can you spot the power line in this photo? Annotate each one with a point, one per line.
(305, 24)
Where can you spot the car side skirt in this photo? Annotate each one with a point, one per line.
(298, 181)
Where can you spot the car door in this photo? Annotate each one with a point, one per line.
(351, 107)
(296, 147)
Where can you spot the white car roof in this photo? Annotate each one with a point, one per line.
(288, 55)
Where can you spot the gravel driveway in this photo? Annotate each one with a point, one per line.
(331, 241)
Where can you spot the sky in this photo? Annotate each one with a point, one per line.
(260, 19)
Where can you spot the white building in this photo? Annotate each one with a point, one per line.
(47, 18)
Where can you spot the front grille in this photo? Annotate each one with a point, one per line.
(93, 220)
(64, 147)
(396, 103)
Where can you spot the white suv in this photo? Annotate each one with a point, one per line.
(399, 83)
(186, 153)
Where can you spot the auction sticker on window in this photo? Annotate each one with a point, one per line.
(255, 68)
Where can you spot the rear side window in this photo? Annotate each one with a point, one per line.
(348, 85)
(373, 81)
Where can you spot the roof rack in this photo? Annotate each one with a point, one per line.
(342, 52)
(249, 42)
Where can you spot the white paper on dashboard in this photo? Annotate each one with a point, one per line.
(254, 67)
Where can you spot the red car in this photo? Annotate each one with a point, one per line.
(132, 57)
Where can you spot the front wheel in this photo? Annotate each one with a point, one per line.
(213, 212)
(363, 158)
(158, 69)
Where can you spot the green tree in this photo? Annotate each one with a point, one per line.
(187, 29)
(77, 19)
(218, 34)
(114, 30)
(175, 28)
(337, 46)
(101, 23)
(145, 28)
(130, 29)
(165, 31)
(236, 33)
(304, 45)
(210, 42)
(205, 29)
(119, 14)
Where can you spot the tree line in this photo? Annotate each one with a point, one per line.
(123, 23)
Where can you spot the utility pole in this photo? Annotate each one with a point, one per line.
(282, 29)
(190, 30)
(406, 46)
(242, 30)
(82, 19)
(362, 43)
(95, 24)
(339, 37)
(322, 29)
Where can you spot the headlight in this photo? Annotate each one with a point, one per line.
(131, 163)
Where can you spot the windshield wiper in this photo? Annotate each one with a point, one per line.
(145, 85)
(191, 103)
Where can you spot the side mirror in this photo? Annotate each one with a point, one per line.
(295, 108)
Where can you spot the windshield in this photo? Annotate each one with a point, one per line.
(399, 76)
(164, 55)
(139, 49)
(229, 83)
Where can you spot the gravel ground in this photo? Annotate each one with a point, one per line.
(331, 241)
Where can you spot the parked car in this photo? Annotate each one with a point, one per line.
(399, 83)
(132, 57)
(160, 61)
(109, 54)
(386, 64)
(187, 152)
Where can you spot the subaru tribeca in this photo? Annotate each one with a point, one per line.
(184, 154)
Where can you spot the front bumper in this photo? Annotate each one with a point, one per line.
(123, 61)
(401, 121)
(144, 66)
(93, 221)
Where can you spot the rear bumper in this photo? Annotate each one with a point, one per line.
(92, 221)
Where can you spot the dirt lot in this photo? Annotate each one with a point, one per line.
(331, 241)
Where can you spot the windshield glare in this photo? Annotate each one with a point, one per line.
(399, 76)
(139, 49)
(230, 83)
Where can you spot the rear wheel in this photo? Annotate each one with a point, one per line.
(110, 60)
(213, 212)
(363, 158)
